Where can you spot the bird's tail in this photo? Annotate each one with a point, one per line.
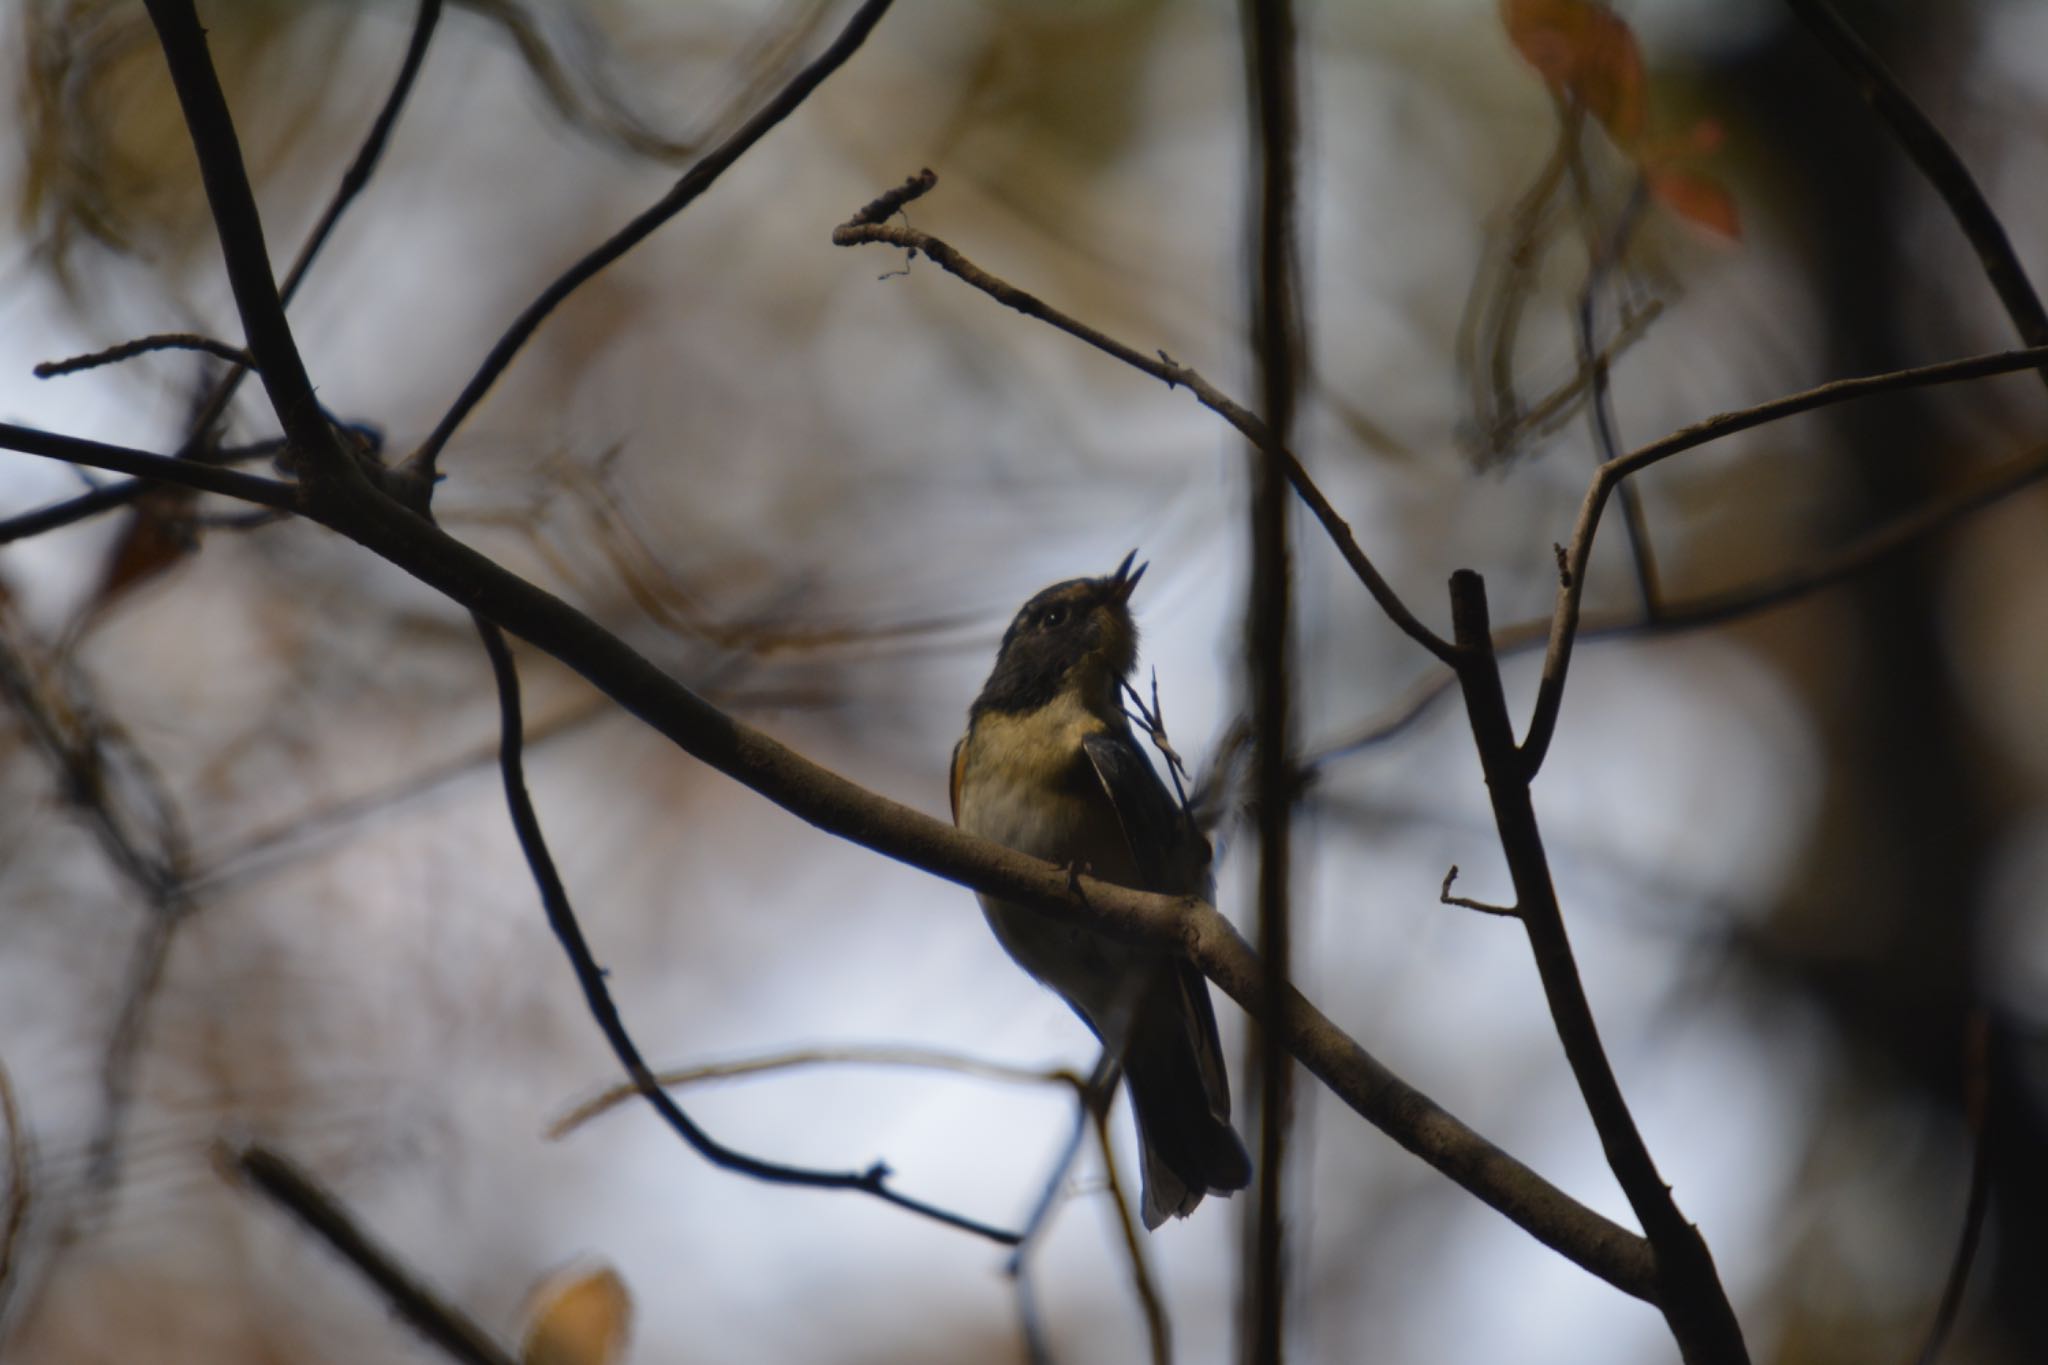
(1187, 1148)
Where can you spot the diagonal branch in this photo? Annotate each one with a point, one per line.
(693, 183)
(859, 229)
(240, 228)
(285, 1185)
(829, 801)
(1938, 161)
(1689, 1291)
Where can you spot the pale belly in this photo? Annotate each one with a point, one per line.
(1072, 824)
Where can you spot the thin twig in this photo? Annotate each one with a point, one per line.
(128, 350)
(294, 1191)
(1151, 719)
(1091, 1097)
(1689, 1290)
(1173, 375)
(357, 177)
(1938, 161)
(1158, 1327)
(1565, 619)
(917, 1058)
(1444, 897)
(693, 183)
(1602, 253)
(1278, 332)
(1707, 610)
(597, 994)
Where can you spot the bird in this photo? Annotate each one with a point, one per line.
(1049, 767)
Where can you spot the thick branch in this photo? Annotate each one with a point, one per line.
(240, 227)
(1689, 1291)
(838, 806)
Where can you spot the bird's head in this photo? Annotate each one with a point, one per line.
(1072, 635)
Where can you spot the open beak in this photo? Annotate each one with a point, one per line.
(1125, 580)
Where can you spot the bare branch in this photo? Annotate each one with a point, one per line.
(917, 1058)
(1278, 331)
(1571, 592)
(128, 350)
(597, 995)
(1158, 1327)
(206, 478)
(1444, 897)
(247, 258)
(693, 183)
(1173, 375)
(1689, 1291)
(831, 802)
(1937, 159)
(291, 1189)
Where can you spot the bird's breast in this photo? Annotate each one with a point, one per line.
(1026, 782)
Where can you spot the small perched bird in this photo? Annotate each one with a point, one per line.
(1050, 768)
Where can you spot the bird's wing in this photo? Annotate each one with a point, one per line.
(1170, 856)
(953, 780)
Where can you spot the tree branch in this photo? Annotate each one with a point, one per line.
(1277, 335)
(128, 350)
(1707, 610)
(597, 995)
(285, 497)
(243, 250)
(1938, 161)
(829, 801)
(292, 1190)
(858, 230)
(1571, 592)
(693, 183)
(1689, 1291)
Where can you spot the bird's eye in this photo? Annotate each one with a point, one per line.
(1055, 616)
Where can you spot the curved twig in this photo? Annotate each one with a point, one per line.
(597, 995)
(1571, 592)
(858, 231)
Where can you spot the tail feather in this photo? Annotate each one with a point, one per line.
(1187, 1148)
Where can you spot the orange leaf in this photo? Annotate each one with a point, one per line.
(580, 1315)
(1585, 54)
(1698, 200)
